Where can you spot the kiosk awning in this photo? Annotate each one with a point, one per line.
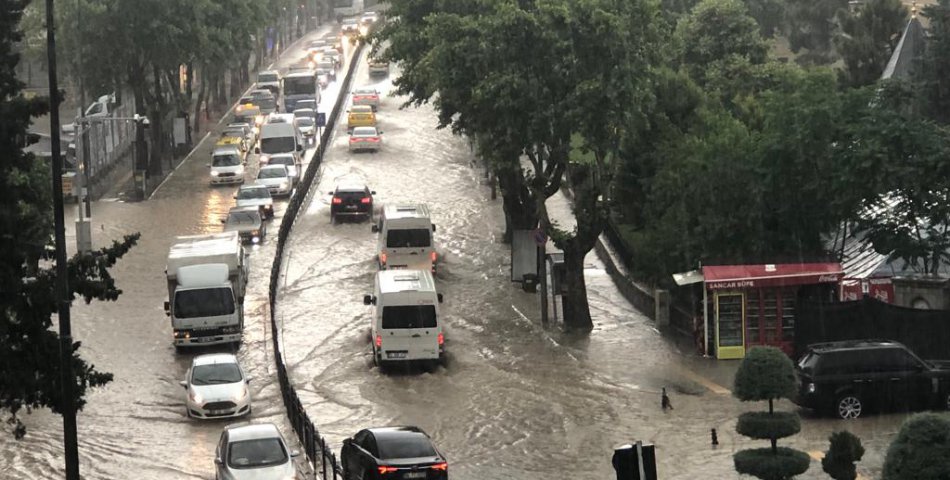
(729, 277)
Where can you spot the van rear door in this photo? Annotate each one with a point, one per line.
(409, 332)
(408, 248)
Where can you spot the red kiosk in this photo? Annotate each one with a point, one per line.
(754, 305)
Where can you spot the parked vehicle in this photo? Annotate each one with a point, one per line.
(850, 377)
(351, 200)
(366, 96)
(392, 453)
(366, 139)
(405, 238)
(256, 451)
(216, 387)
(227, 165)
(256, 196)
(405, 325)
(207, 278)
(277, 179)
(247, 222)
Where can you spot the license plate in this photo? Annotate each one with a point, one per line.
(414, 475)
(202, 339)
(396, 354)
(217, 412)
(351, 207)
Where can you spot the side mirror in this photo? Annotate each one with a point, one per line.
(299, 148)
(217, 461)
(372, 192)
(439, 296)
(168, 308)
(257, 149)
(433, 227)
(235, 196)
(248, 379)
(367, 299)
(329, 193)
(183, 384)
(375, 228)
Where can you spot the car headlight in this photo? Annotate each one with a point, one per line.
(214, 173)
(810, 388)
(195, 396)
(264, 158)
(284, 185)
(239, 171)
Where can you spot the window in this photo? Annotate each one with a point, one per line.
(408, 446)
(409, 238)
(205, 302)
(278, 145)
(409, 316)
(216, 374)
(231, 160)
(252, 193)
(729, 315)
(267, 77)
(897, 360)
(305, 85)
(258, 453)
(244, 218)
(272, 173)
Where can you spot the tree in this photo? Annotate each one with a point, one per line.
(811, 26)
(768, 374)
(867, 39)
(29, 348)
(919, 452)
(934, 78)
(845, 450)
(715, 31)
(770, 14)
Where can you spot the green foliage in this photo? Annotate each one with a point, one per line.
(715, 31)
(811, 27)
(768, 465)
(770, 14)
(29, 347)
(934, 81)
(867, 39)
(919, 452)
(765, 373)
(845, 449)
(768, 426)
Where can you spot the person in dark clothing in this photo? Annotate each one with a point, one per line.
(665, 401)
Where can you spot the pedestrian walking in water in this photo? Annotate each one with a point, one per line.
(665, 401)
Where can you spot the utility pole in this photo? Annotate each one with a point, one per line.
(67, 379)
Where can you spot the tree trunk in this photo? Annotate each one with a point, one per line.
(773, 440)
(520, 206)
(202, 93)
(576, 308)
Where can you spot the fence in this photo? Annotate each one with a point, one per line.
(108, 140)
(321, 458)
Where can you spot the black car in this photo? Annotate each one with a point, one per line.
(848, 378)
(403, 453)
(355, 201)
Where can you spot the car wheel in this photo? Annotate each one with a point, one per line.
(849, 406)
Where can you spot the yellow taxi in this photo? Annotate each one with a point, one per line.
(229, 139)
(360, 116)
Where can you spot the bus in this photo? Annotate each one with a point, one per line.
(300, 86)
(347, 8)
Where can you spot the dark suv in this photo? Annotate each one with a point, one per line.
(850, 377)
(355, 201)
(392, 453)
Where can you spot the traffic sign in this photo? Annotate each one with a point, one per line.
(540, 237)
(321, 119)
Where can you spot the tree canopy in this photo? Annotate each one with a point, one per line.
(919, 452)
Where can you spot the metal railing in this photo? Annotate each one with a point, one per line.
(321, 457)
(108, 140)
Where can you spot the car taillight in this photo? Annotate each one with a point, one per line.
(374, 97)
(384, 470)
(379, 341)
(440, 466)
(356, 97)
(337, 200)
(441, 338)
(373, 139)
(382, 258)
(433, 256)
(365, 200)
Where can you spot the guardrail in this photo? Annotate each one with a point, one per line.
(321, 458)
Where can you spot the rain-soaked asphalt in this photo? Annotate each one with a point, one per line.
(135, 427)
(516, 401)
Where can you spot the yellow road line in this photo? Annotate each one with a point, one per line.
(709, 384)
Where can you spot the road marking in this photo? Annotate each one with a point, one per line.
(709, 384)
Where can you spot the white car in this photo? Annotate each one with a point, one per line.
(227, 165)
(277, 179)
(366, 138)
(288, 160)
(257, 452)
(217, 387)
(256, 196)
(366, 96)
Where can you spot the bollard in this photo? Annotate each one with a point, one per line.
(715, 438)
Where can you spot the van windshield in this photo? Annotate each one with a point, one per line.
(206, 302)
(278, 145)
(412, 238)
(409, 316)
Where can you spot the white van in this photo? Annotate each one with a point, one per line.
(406, 325)
(279, 137)
(405, 238)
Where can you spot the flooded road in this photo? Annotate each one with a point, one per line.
(516, 400)
(136, 427)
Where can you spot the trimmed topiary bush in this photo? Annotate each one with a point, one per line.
(768, 374)
(921, 450)
(844, 451)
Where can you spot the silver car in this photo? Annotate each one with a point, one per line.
(256, 196)
(277, 179)
(254, 452)
(288, 160)
(366, 96)
(216, 387)
(248, 222)
(366, 138)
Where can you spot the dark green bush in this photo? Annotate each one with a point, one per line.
(844, 451)
(921, 450)
(762, 463)
(765, 426)
(765, 374)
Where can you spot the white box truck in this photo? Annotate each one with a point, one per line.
(207, 277)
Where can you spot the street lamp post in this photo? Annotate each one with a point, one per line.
(67, 379)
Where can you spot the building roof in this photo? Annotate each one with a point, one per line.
(730, 277)
(908, 50)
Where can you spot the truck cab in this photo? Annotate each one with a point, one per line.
(405, 324)
(405, 238)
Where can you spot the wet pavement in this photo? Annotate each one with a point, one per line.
(516, 400)
(136, 427)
